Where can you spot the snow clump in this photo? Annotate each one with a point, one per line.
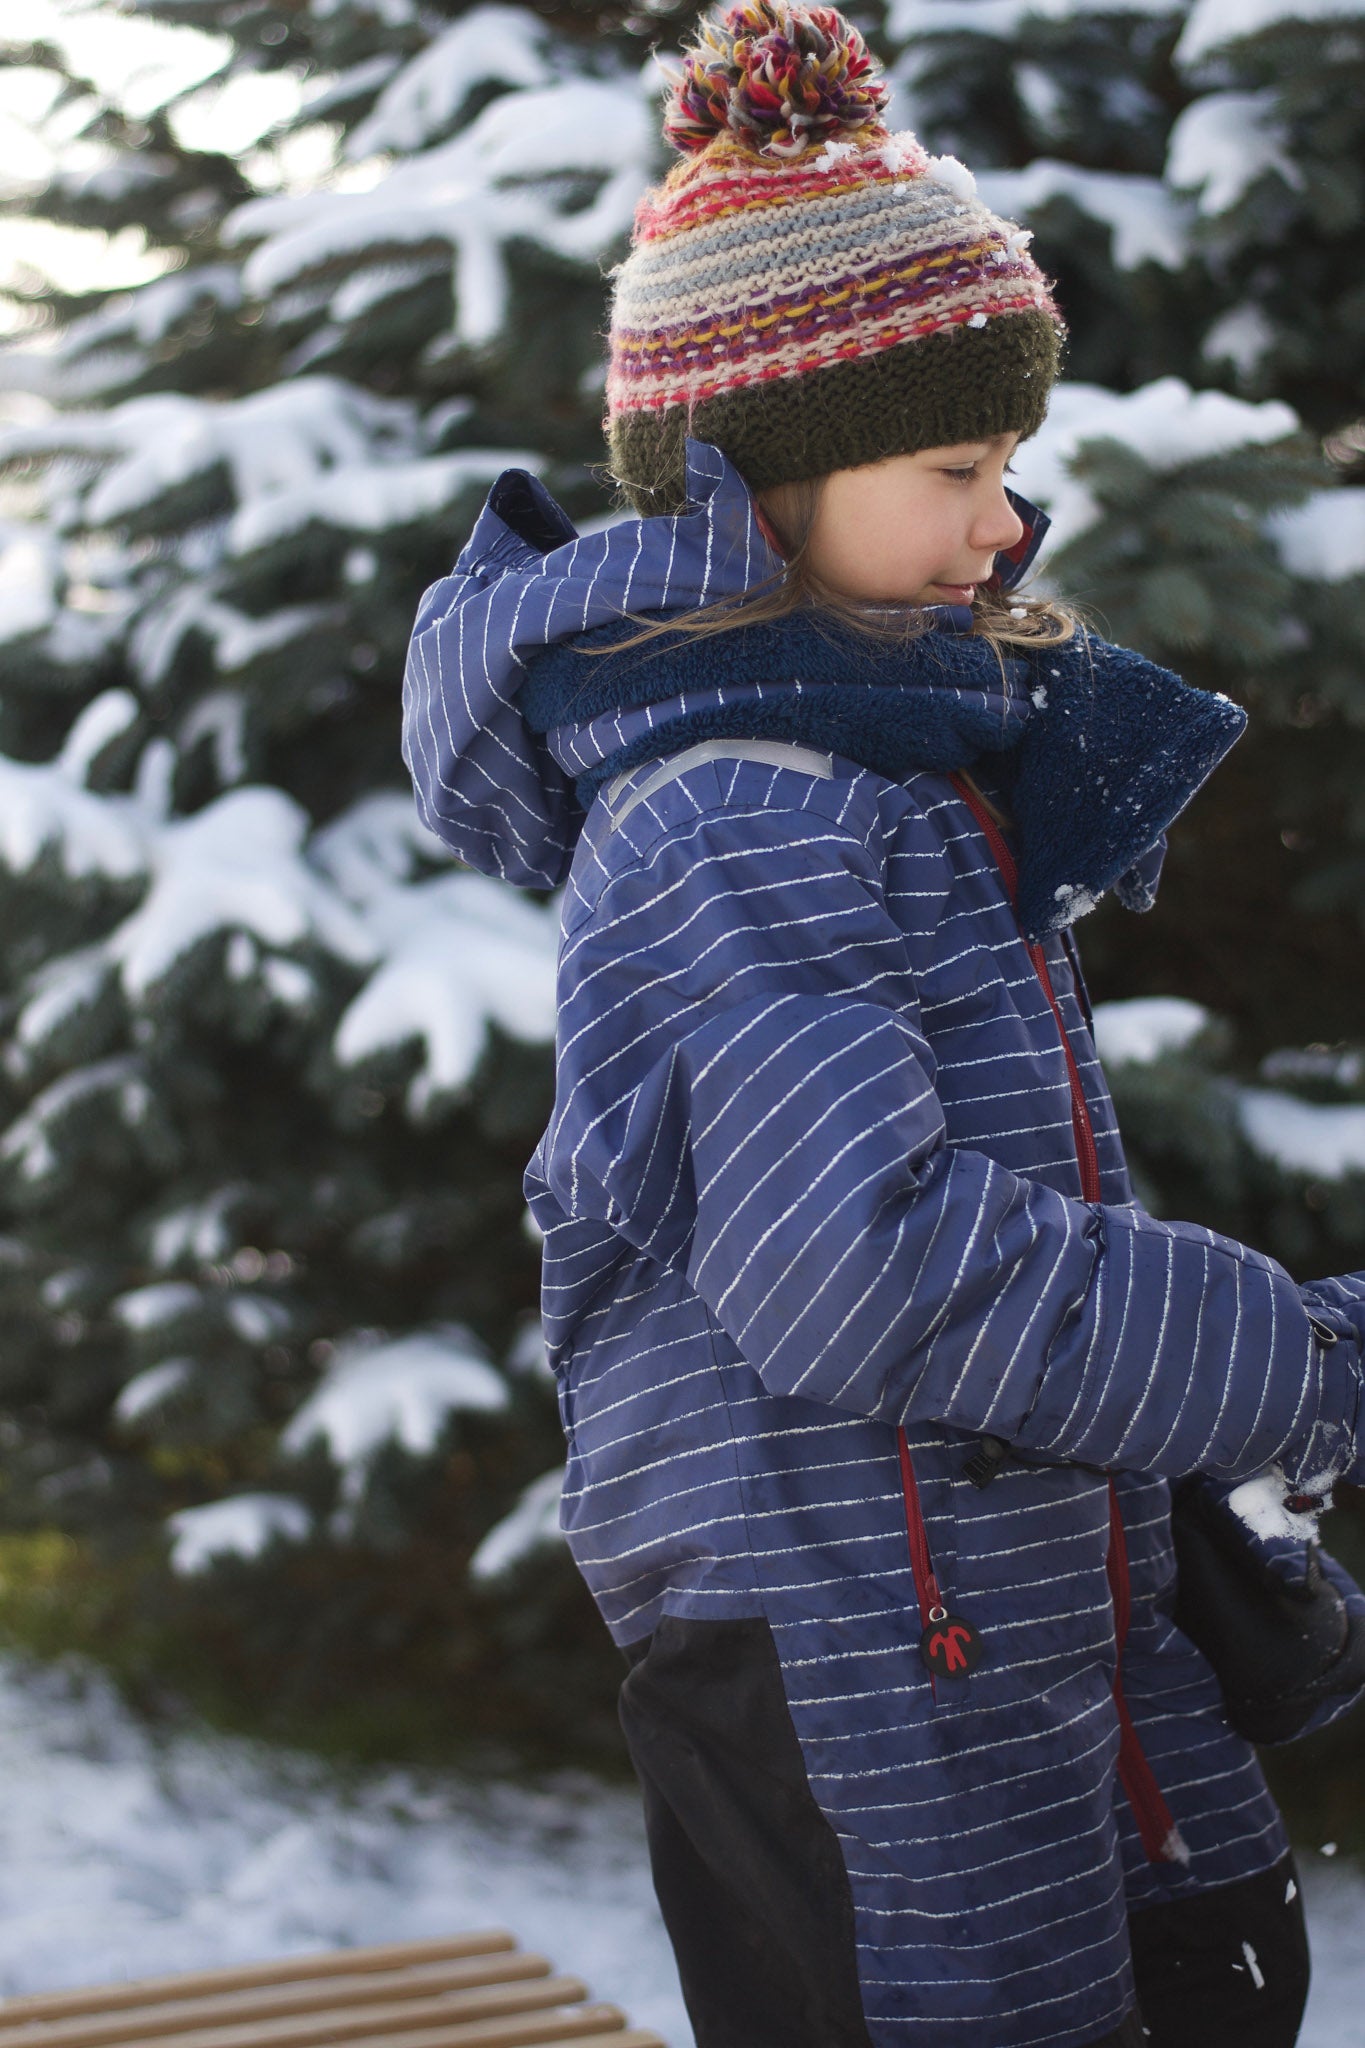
(243, 1525)
(1221, 144)
(1166, 423)
(400, 1390)
(532, 1525)
(1145, 1028)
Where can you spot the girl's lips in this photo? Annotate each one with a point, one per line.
(963, 590)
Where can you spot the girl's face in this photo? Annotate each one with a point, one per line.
(915, 529)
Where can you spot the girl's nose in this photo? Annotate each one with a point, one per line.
(998, 527)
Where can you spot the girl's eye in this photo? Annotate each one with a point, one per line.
(968, 474)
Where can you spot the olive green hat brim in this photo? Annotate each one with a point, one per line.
(961, 384)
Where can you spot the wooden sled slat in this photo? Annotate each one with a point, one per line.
(588, 2026)
(174, 2017)
(465, 1991)
(338, 2019)
(618, 2036)
(629, 2037)
(286, 1970)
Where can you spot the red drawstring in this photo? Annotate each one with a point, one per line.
(1161, 1838)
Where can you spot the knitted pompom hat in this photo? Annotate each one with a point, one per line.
(806, 290)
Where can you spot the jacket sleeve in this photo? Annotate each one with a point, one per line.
(745, 1093)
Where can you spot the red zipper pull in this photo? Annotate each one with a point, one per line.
(949, 1647)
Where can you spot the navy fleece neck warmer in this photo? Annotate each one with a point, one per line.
(1098, 748)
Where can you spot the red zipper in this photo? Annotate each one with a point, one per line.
(931, 1607)
(1161, 1838)
(927, 1594)
(1156, 1825)
(1082, 1132)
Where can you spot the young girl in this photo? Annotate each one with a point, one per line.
(873, 1372)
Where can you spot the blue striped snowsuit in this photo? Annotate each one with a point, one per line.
(812, 1177)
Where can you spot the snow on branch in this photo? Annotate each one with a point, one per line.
(458, 952)
(1321, 1139)
(151, 1389)
(532, 1526)
(1241, 336)
(55, 992)
(243, 1525)
(236, 637)
(44, 810)
(86, 1096)
(401, 1390)
(448, 955)
(1004, 19)
(308, 450)
(339, 89)
(1213, 24)
(372, 497)
(516, 173)
(146, 316)
(158, 1306)
(29, 569)
(1325, 1141)
(489, 45)
(1323, 540)
(197, 1230)
(235, 866)
(270, 441)
(1144, 1029)
(1147, 224)
(1166, 423)
(1224, 142)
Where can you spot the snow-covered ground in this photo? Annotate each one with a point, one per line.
(123, 1855)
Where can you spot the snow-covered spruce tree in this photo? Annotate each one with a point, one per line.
(1193, 176)
(273, 1064)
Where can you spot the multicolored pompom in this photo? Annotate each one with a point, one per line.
(781, 78)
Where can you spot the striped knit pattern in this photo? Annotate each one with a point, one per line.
(761, 263)
(745, 271)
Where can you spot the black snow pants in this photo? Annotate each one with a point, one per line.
(754, 1894)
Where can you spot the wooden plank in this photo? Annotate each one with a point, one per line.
(341, 1962)
(630, 2037)
(590, 2026)
(618, 2036)
(339, 2020)
(281, 2001)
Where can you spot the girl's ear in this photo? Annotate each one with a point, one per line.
(768, 531)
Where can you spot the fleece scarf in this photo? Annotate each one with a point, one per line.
(1096, 748)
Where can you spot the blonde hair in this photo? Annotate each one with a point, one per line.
(1006, 618)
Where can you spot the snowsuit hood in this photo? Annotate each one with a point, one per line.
(519, 702)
